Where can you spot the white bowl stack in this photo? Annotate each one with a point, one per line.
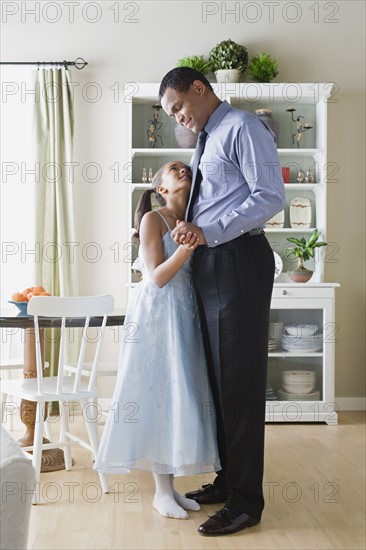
(298, 384)
(302, 338)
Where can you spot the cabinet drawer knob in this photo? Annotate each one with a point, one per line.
(284, 292)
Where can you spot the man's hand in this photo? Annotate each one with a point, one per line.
(181, 232)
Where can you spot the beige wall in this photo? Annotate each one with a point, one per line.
(346, 222)
(142, 46)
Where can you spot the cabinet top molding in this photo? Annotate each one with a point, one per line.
(291, 92)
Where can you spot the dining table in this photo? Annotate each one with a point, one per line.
(10, 318)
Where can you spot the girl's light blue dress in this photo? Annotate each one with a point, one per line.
(162, 416)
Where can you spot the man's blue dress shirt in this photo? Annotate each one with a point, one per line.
(242, 185)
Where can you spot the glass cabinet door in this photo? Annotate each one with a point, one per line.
(299, 388)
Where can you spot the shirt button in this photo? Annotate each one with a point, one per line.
(216, 242)
(241, 231)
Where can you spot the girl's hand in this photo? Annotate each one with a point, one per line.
(191, 241)
(182, 229)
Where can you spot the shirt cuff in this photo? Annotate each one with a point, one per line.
(213, 234)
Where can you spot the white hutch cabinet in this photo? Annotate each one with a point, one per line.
(293, 304)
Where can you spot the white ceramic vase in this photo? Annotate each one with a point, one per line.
(227, 75)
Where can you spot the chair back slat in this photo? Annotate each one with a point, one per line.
(39, 364)
(80, 364)
(67, 308)
(61, 357)
(94, 369)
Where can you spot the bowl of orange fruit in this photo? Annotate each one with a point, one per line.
(21, 299)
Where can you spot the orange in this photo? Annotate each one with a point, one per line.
(45, 294)
(18, 297)
(38, 289)
(27, 290)
(30, 295)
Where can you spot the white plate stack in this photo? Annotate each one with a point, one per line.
(274, 335)
(298, 385)
(302, 338)
(272, 344)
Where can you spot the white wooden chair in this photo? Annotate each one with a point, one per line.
(8, 367)
(11, 361)
(63, 388)
(104, 370)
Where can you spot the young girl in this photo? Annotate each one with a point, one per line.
(165, 422)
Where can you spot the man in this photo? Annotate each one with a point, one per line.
(237, 186)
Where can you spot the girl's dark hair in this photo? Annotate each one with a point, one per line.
(144, 205)
(180, 79)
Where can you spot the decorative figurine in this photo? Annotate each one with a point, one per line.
(309, 176)
(300, 129)
(154, 127)
(300, 176)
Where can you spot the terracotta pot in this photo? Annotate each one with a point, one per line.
(185, 137)
(300, 276)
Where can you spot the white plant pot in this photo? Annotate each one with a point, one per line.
(227, 75)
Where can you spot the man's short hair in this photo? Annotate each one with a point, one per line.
(180, 79)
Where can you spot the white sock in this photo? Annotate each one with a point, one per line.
(164, 501)
(184, 502)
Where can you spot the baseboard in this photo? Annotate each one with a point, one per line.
(351, 403)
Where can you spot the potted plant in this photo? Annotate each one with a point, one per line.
(262, 68)
(303, 250)
(197, 62)
(228, 59)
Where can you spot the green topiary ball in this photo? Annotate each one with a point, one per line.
(229, 55)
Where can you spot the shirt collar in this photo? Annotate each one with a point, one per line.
(217, 116)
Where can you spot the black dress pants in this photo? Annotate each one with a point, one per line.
(234, 284)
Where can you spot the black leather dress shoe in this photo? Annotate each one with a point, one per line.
(225, 522)
(208, 495)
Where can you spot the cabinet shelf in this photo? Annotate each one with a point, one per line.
(292, 230)
(303, 186)
(142, 186)
(141, 152)
(285, 354)
(287, 402)
(296, 152)
(316, 187)
(167, 151)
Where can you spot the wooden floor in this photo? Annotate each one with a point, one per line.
(314, 489)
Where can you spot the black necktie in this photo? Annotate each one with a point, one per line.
(196, 173)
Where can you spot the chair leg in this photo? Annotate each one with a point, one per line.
(92, 428)
(37, 448)
(64, 428)
(47, 430)
(8, 409)
(11, 419)
(5, 398)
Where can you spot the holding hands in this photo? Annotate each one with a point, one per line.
(188, 235)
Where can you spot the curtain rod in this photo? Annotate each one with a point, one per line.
(79, 63)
